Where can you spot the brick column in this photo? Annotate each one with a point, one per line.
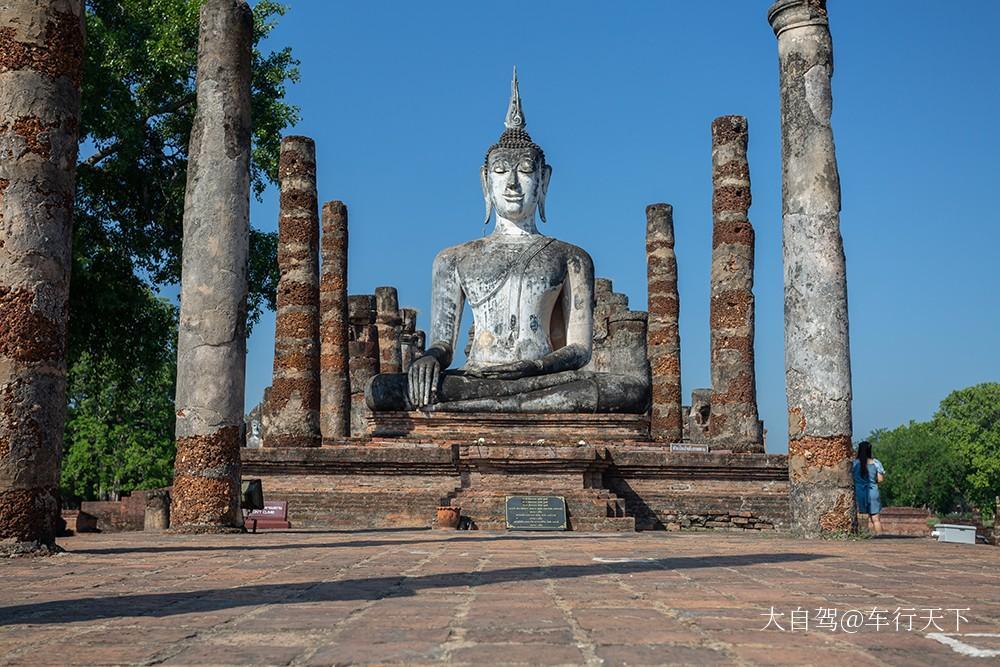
(663, 337)
(363, 349)
(734, 423)
(335, 387)
(294, 396)
(387, 319)
(817, 345)
(211, 341)
(40, 71)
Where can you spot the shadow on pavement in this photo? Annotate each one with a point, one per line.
(172, 603)
(243, 546)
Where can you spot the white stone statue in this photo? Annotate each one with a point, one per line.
(532, 301)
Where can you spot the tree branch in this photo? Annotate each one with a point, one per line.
(116, 145)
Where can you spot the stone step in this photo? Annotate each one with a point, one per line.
(585, 525)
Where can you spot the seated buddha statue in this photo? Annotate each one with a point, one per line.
(532, 301)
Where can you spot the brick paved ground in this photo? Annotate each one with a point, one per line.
(426, 597)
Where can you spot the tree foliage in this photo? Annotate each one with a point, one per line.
(950, 463)
(969, 420)
(120, 426)
(136, 116)
(923, 468)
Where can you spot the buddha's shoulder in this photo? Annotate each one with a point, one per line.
(454, 253)
(569, 249)
(476, 247)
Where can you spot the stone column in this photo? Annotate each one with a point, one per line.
(294, 397)
(41, 49)
(335, 385)
(663, 341)
(734, 423)
(363, 349)
(211, 343)
(817, 350)
(387, 319)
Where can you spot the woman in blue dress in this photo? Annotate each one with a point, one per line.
(868, 473)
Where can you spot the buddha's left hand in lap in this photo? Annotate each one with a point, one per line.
(514, 370)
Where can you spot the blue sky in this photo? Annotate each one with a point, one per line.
(404, 98)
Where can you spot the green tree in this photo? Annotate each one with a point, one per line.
(969, 421)
(922, 468)
(120, 427)
(136, 117)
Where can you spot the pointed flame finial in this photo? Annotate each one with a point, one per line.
(515, 115)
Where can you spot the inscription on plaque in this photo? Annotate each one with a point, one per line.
(688, 447)
(536, 513)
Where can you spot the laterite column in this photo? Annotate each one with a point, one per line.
(734, 423)
(663, 341)
(294, 397)
(335, 386)
(41, 51)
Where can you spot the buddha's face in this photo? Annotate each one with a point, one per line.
(516, 180)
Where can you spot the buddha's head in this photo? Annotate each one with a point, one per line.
(514, 177)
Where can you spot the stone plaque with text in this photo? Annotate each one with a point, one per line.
(536, 513)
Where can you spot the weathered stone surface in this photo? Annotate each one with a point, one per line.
(734, 424)
(411, 341)
(698, 416)
(211, 346)
(663, 338)
(41, 49)
(389, 322)
(363, 358)
(294, 400)
(817, 348)
(493, 428)
(619, 335)
(335, 391)
(157, 516)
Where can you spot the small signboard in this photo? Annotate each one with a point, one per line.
(274, 515)
(688, 447)
(273, 509)
(536, 513)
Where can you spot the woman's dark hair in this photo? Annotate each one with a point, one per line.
(864, 456)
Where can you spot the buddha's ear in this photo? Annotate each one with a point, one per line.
(486, 194)
(546, 175)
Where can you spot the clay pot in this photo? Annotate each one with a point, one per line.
(447, 517)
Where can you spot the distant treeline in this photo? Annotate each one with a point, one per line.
(950, 463)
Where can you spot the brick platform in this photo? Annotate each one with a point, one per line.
(399, 482)
(430, 597)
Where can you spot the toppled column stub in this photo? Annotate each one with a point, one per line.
(41, 50)
(294, 397)
(335, 387)
(363, 348)
(663, 336)
(734, 423)
(389, 323)
(211, 344)
(817, 347)
(408, 338)
(619, 335)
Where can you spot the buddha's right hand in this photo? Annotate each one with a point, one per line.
(423, 379)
